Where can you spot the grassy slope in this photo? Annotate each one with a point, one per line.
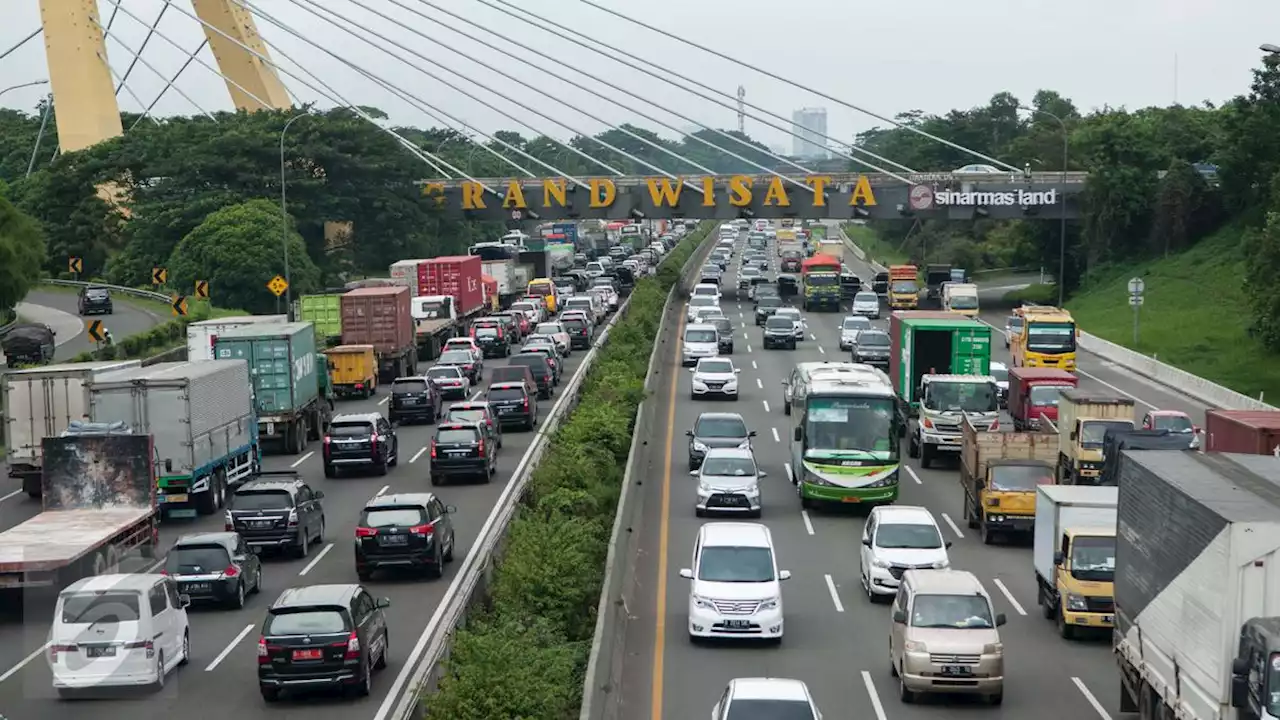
(875, 248)
(1194, 317)
(160, 309)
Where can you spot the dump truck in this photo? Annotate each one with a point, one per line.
(820, 283)
(201, 419)
(42, 402)
(935, 274)
(1196, 615)
(383, 318)
(1048, 338)
(98, 507)
(203, 335)
(1074, 554)
(1243, 431)
(904, 288)
(831, 248)
(325, 312)
(353, 370)
(940, 366)
(288, 381)
(960, 298)
(1034, 393)
(999, 473)
(1083, 421)
(28, 344)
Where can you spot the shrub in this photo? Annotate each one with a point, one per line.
(525, 657)
(1035, 294)
(158, 339)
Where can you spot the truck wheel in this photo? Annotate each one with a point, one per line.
(1047, 606)
(913, 447)
(1067, 631)
(926, 456)
(313, 426)
(988, 535)
(207, 501)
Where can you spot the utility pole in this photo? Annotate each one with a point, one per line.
(742, 110)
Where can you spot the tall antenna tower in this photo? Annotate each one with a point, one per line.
(742, 109)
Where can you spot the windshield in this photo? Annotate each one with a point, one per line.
(703, 301)
(308, 622)
(1046, 395)
(437, 373)
(700, 336)
(720, 427)
(720, 367)
(916, 536)
(540, 289)
(866, 299)
(823, 280)
(392, 517)
(450, 357)
(486, 332)
(261, 500)
(1014, 323)
(524, 307)
(951, 611)
(999, 372)
(1273, 686)
(457, 436)
(1093, 432)
(1173, 423)
(855, 323)
(780, 323)
(196, 559)
(728, 563)
(499, 394)
(409, 386)
(575, 324)
(903, 286)
(729, 466)
(851, 423)
(1093, 558)
(1020, 477)
(765, 709)
(108, 606)
(1051, 337)
(969, 397)
(462, 415)
(873, 339)
(721, 323)
(770, 301)
(750, 271)
(964, 302)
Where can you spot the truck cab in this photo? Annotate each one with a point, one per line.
(1034, 394)
(935, 274)
(1255, 671)
(1074, 553)
(820, 278)
(960, 298)
(1047, 339)
(435, 320)
(945, 402)
(1083, 422)
(1000, 473)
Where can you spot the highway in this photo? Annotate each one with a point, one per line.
(221, 679)
(835, 640)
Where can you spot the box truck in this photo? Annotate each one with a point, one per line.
(1074, 553)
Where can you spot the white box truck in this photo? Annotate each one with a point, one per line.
(1197, 632)
(202, 335)
(1074, 553)
(40, 403)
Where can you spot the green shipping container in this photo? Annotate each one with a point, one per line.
(939, 345)
(282, 364)
(325, 311)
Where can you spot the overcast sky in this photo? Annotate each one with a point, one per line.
(885, 57)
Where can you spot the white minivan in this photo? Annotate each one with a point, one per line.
(118, 631)
(590, 304)
(735, 588)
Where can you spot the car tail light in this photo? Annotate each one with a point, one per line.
(353, 647)
(425, 529)
(231, 571)
(359, 386)
(147, 645)
(55, 649)
(325, 450)
(228, 522)
(1195, 429)
(263, 652)
(373, 443)
(363, 532)
(526, 403)
(293, 518)
(480, 447)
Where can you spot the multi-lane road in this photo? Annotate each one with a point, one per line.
(221, 679)
(835, 640)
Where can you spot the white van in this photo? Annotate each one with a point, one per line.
(592, 305)
(118, 631)
(699, 341)
(709, 289)
(736, 588)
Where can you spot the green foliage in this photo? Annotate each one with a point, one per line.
(22, 247)
(238, 250)
(1260, 282)
(161, 338)
(526, 656)
(1034, 295)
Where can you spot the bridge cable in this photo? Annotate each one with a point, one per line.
(578, 85)
(616, 55)
(819, 93)
(127, 89)
(20, 43)
(413, 99)
(169, 82)
(151, 30)
(329, 93)
(137, 57)
(507, 98)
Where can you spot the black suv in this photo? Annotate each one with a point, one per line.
(479, 413)
(360, 439)
(415, 398)
(217, 567)
(513, 404)
(541, 369)
(579, 333)
(780, 332)
(766, 307)
(277, 510)
(322, 636)
(493, 341)
(462, 450)
(94, 300)
(408, 531)
(547, 351)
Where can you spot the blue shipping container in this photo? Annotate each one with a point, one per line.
(282, 364)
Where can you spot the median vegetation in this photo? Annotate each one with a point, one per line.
(164, 337)
(525, 656)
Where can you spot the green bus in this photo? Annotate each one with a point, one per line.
(844, 440)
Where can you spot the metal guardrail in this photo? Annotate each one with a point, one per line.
(476, 570)
(135, 292)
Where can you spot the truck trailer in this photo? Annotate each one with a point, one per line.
(201, 420)
(1255, 432)
(41, 403)
(383, 318)
(1196, 607)
(325, 312)
(1074, 553)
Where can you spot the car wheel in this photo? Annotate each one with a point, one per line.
(186, 649)
(380, 468)
(270, 694)
(330, 471)
(303, 548)
(448, 554)
(257, 581)
(381, 664)
(237, 601)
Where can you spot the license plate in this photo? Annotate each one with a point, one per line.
(311, 654)
(850, 499)
(458, 453)
(505, 410)
(737, 624)
(261, 523)
(1108, 619)
(393, 540)
(196, 587)
(409, 401)
(271, 428)
(100, 652)
(956, 670)
(173, 498)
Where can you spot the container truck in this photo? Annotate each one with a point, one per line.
(1033, 394)
(1074, 554)
(288, 376)
(560, 256)
(820, 283)
(41, 403)
(960, 298)
(935, 274)
(1048, 338)
(1083, 421)
(201, 419)
(904, 290)
(98, 506)
(406, 273)
(202, 335)
(999, 473)
(325, 312)
(1256, 432)
(353, 370)
(383, 318)
(1196, 611)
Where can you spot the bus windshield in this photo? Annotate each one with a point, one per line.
(822, 279)
(850, 423)
(541, 289)
(1047, 337)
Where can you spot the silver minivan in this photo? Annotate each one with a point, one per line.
(867, 304)
(699, 341)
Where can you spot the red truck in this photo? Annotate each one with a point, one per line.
(1033, 392)
(1255, 432)
(382, 317)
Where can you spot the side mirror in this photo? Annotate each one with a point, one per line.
(319, 494)
(784, 574)
(783, 383)
(798, 434)
(693, 369)
(1001, 619)
(1240, 666)
(1057, 558)
(900, 617)
(686, 573)
(762, 473)
(238, 558)
(866, 541)
(450, 509)
(1073, 435)
(184, 601)
(254, 549)
(751, 434)
(693, 473)
(737, 370)
(947, 544)
(382, 603)
(688, 433)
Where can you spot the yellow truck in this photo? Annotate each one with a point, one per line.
(1048, 338)
(1000, 473)
(1074, 554)
(904, 287)
(353, 370)
(1083, 421)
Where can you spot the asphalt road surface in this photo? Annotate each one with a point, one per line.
(836, 641)
(221, 679)
(125, 320)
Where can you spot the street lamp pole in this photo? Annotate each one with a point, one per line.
(33, 83)
(284, 220)
(1062, 207)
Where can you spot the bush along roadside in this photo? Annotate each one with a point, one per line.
(525, 655)
(163, 337)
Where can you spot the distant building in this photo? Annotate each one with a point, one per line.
(811, 125)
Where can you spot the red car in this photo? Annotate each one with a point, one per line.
(1175, 421)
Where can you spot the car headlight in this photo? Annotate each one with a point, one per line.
(879, 563)
(770, 604)
(699, 446)
(886, 481)
(942, 565)
(993, 649)
(699, 601)
(746, 445)
(914, 646)
(1076, 603)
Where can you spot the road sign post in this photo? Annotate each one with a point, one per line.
(202, 289)
(75, 266)
(159, 275)
(179, 305)
(97, 333)
(1137, 288)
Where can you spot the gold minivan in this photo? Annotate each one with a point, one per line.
(944, 637)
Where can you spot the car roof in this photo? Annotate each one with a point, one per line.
(1167, 413)
(137, 582)
(740, 453)
(395, 499)
(356, 417)
(271, 483)
(945, 582)
(904, 515)
(760, 688)
(739, 534)
(507, 385)
(226, 539)
(699, 326)
(720, 416)
(316, 595)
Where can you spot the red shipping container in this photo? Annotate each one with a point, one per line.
(378, 316)
(1255, 432)
(457, 276)
(490, 286)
